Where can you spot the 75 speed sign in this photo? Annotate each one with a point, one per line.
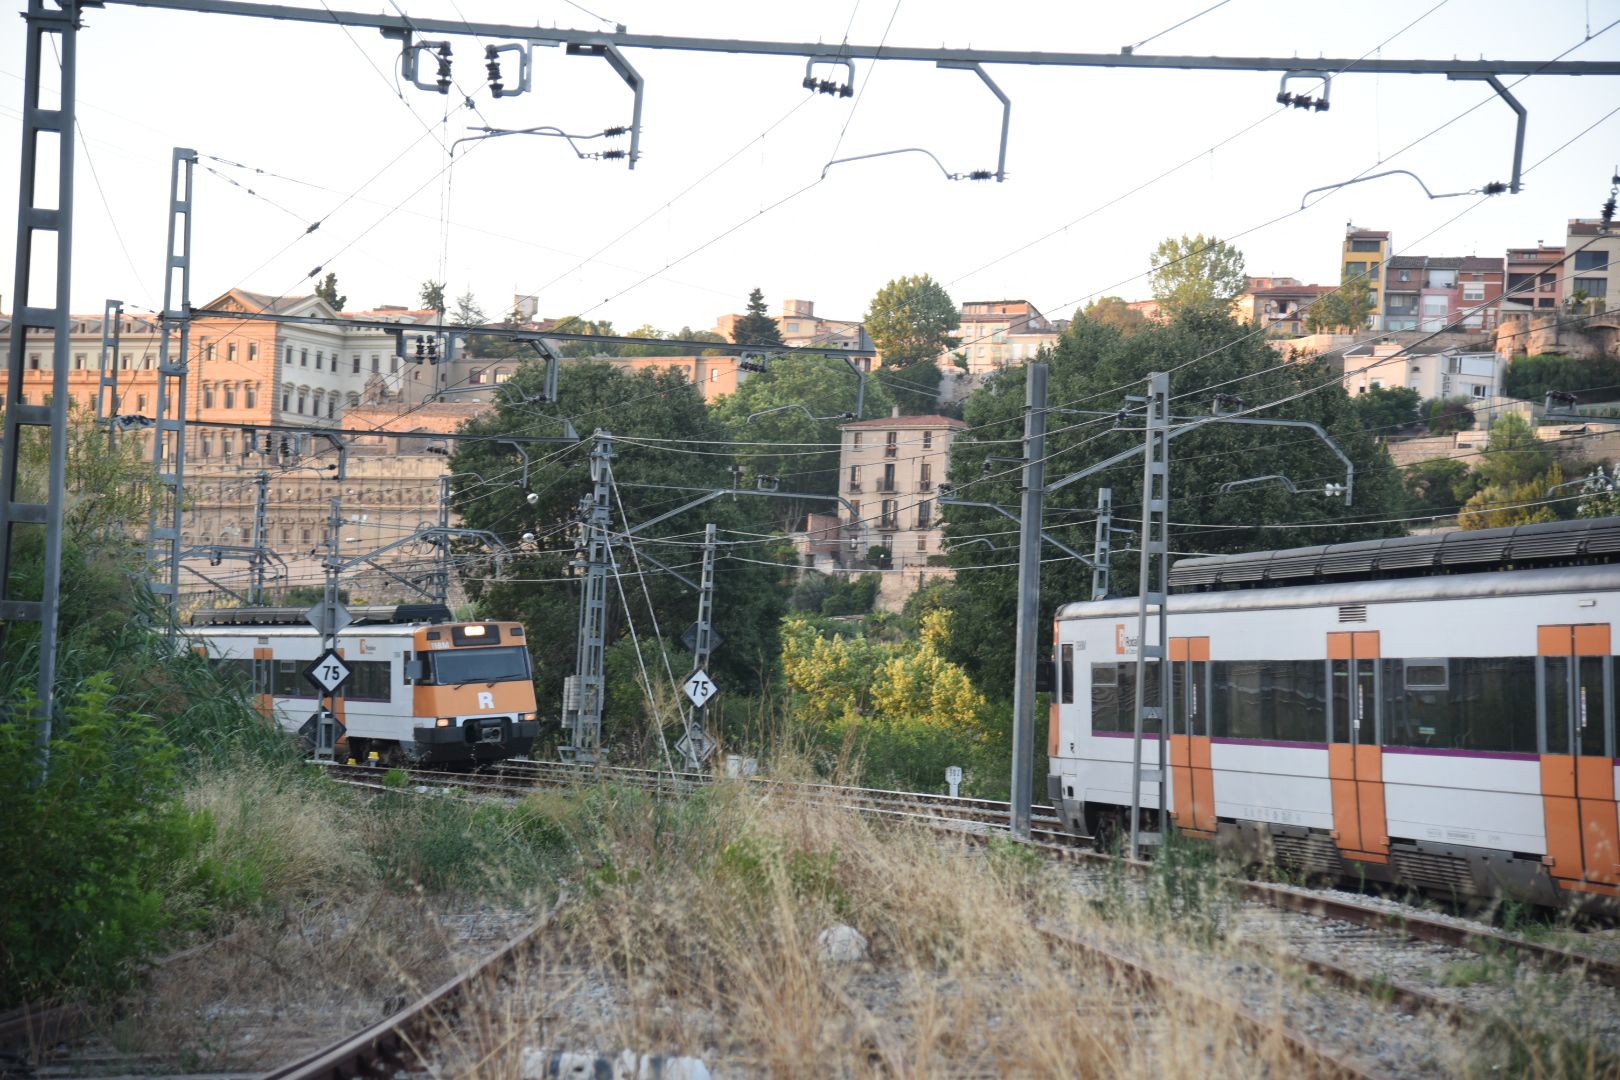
(700, 688)
(329, 673)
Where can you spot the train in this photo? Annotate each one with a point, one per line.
(424, 689)
(1435, 713)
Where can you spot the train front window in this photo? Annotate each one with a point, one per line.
(503, 663)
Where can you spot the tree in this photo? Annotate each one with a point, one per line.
(1388, 410)
(669, 419)
(1517, 470)
(431, 296)
(915, 388)
(1444, 416)
(1345, 310)
(1098, 364)
(327, 290)
(468, 313)
(781, 418)
(756, 327)
(1513, 454)
(1198, 273)
(1532, 377)
(1440, 487)
(686, 333)
(910, 321)
(1115, 312)
(574, 324)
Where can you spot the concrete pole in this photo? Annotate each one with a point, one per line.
(1029, 597)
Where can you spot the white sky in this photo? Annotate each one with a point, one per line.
(317, 106)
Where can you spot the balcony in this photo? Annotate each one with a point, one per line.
(888, 487)
(889, 524)
(855, 486)
(925, 485)
(891, 450)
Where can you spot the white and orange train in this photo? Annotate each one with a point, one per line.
(1435, 712)
(424, 689)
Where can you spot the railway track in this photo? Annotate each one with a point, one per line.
(1360, 941)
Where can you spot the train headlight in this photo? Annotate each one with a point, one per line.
(445, 721)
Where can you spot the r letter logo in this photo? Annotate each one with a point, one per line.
(486, 700)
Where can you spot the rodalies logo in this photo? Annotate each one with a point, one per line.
(1123, 642)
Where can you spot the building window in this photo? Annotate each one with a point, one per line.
(210, 349)
(205, 446)
(922, 543)
(393, 365)
(140, 404)
(1594, 287)
(925, 476)
(928, 442)
(1364, 245)
(226, 445)
(33, 361)
(286, 400)
(331, 406)
(925, 515)
(320, 361)
(891, 445)
(857, 441)
(303, 358)
(253, 351)
(1591, 260)
(208, 395)
(123, 361)
(303, 399)
(251, 393)
(356, 364)
(374, 362)
(230, 352)
(230, 396)
(854, 478)
(1406, 275)
(1473, 290)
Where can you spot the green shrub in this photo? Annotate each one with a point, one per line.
(86, 849)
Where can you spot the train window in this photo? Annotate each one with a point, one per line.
(287, 680)
(239, 670)
(1555, 680)
(1282, 700)
(1066, 676)
(496, 664)
(1482, 703)
(1113, 697)
(370, 681)
(1426, 674)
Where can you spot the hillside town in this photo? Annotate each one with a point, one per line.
(1446, 328)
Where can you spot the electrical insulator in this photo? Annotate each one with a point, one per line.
(493, 67)
(444, 68)
(611, 155)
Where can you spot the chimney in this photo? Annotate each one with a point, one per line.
(894, 410)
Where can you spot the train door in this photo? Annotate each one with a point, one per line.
(1355, 759)
(1193, 781)
(1575, 693)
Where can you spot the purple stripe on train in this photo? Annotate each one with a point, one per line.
(1500, 755)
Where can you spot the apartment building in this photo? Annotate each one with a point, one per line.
(1433, 369)
(1365, 256)
(1424, 293)
(1535, 282)
(1282, 309)
(995, 333)
(1588, 273)
(890, 470)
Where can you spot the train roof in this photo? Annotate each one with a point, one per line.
(381, 615)
(1556, 543)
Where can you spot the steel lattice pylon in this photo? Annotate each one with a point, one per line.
(56, 26)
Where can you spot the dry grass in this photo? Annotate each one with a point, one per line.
(272, 836)
(695, 933)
